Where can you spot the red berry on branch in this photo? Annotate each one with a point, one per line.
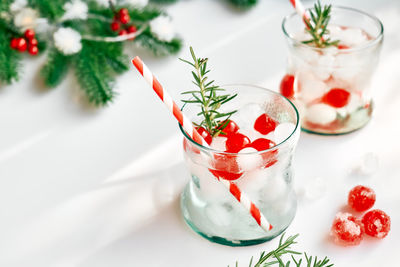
(21, 44)
(33, 50)
(376, 223)
(236, 142)
(287, 86)
(337, 97)
(124, 19)
(29, 34)
(115, 26)
(340, 46)
(32, 42)
(264, 124)
(14, 43)
(122, 32)
(361, 198)
(123, 11)
(131, 29)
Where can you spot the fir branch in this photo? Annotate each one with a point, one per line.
(317, 26)
(55, 69)
(160, 48)
(9, 59)
(243, 4)
(93, 73)
(163, 1)
(275, 257)
(52, 9)
(207, 98)
(5, 5)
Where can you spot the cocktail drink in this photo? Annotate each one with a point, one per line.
(254, 151)
(330, 84)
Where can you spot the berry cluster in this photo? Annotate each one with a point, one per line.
(27, 42)
(348, 229)
(225, 166)
(121, 24)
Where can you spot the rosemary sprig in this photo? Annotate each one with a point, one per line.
(317, 26)
(208, 97)
(275, 257)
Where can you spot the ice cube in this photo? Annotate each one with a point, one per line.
(310, 87)
(369, 164)
(307, 54)
(248, 162)
(354, 104)
(218, 143)
(320, 114)
(254, 181)
(335, 32)
(218, 214)
(246, 115)
(316, 188)
(323, 67)
(353, 37)
(252, 134)
(301, 36)
(283, 131)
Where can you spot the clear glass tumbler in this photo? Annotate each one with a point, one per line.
(264, 176)
(331, 85)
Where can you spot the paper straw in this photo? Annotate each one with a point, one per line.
(299, 7)
(187, 125)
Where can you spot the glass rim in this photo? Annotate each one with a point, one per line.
(209, 149)
(368, 44)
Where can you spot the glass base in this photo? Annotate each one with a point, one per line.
(228, 226)
(349, 124)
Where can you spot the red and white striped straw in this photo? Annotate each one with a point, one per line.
(187, 125)
(299, 7)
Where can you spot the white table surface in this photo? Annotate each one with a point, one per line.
(93, 188)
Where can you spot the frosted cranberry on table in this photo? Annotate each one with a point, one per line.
(346, 229)
(376, 223)
(361, 198)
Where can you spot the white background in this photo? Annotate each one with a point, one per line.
(93, 188)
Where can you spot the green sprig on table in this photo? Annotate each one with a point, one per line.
(276, 257)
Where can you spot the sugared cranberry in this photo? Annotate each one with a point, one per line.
(21, 44)
(287, 86)
(346, 229)
(264, 124)
(228, 127)
(115, 26)
(205, 134)
(226, 167)
(337, 97)
(14, 43)
(236, 142)
(33, 50)
(29, 34)
(124, 19)
(376, 223)
(361, 198)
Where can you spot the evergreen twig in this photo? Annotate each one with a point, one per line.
(317, 27)
(9, 59)
(55, 68)
(243, 4)
(275, 257)
(207, 97)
